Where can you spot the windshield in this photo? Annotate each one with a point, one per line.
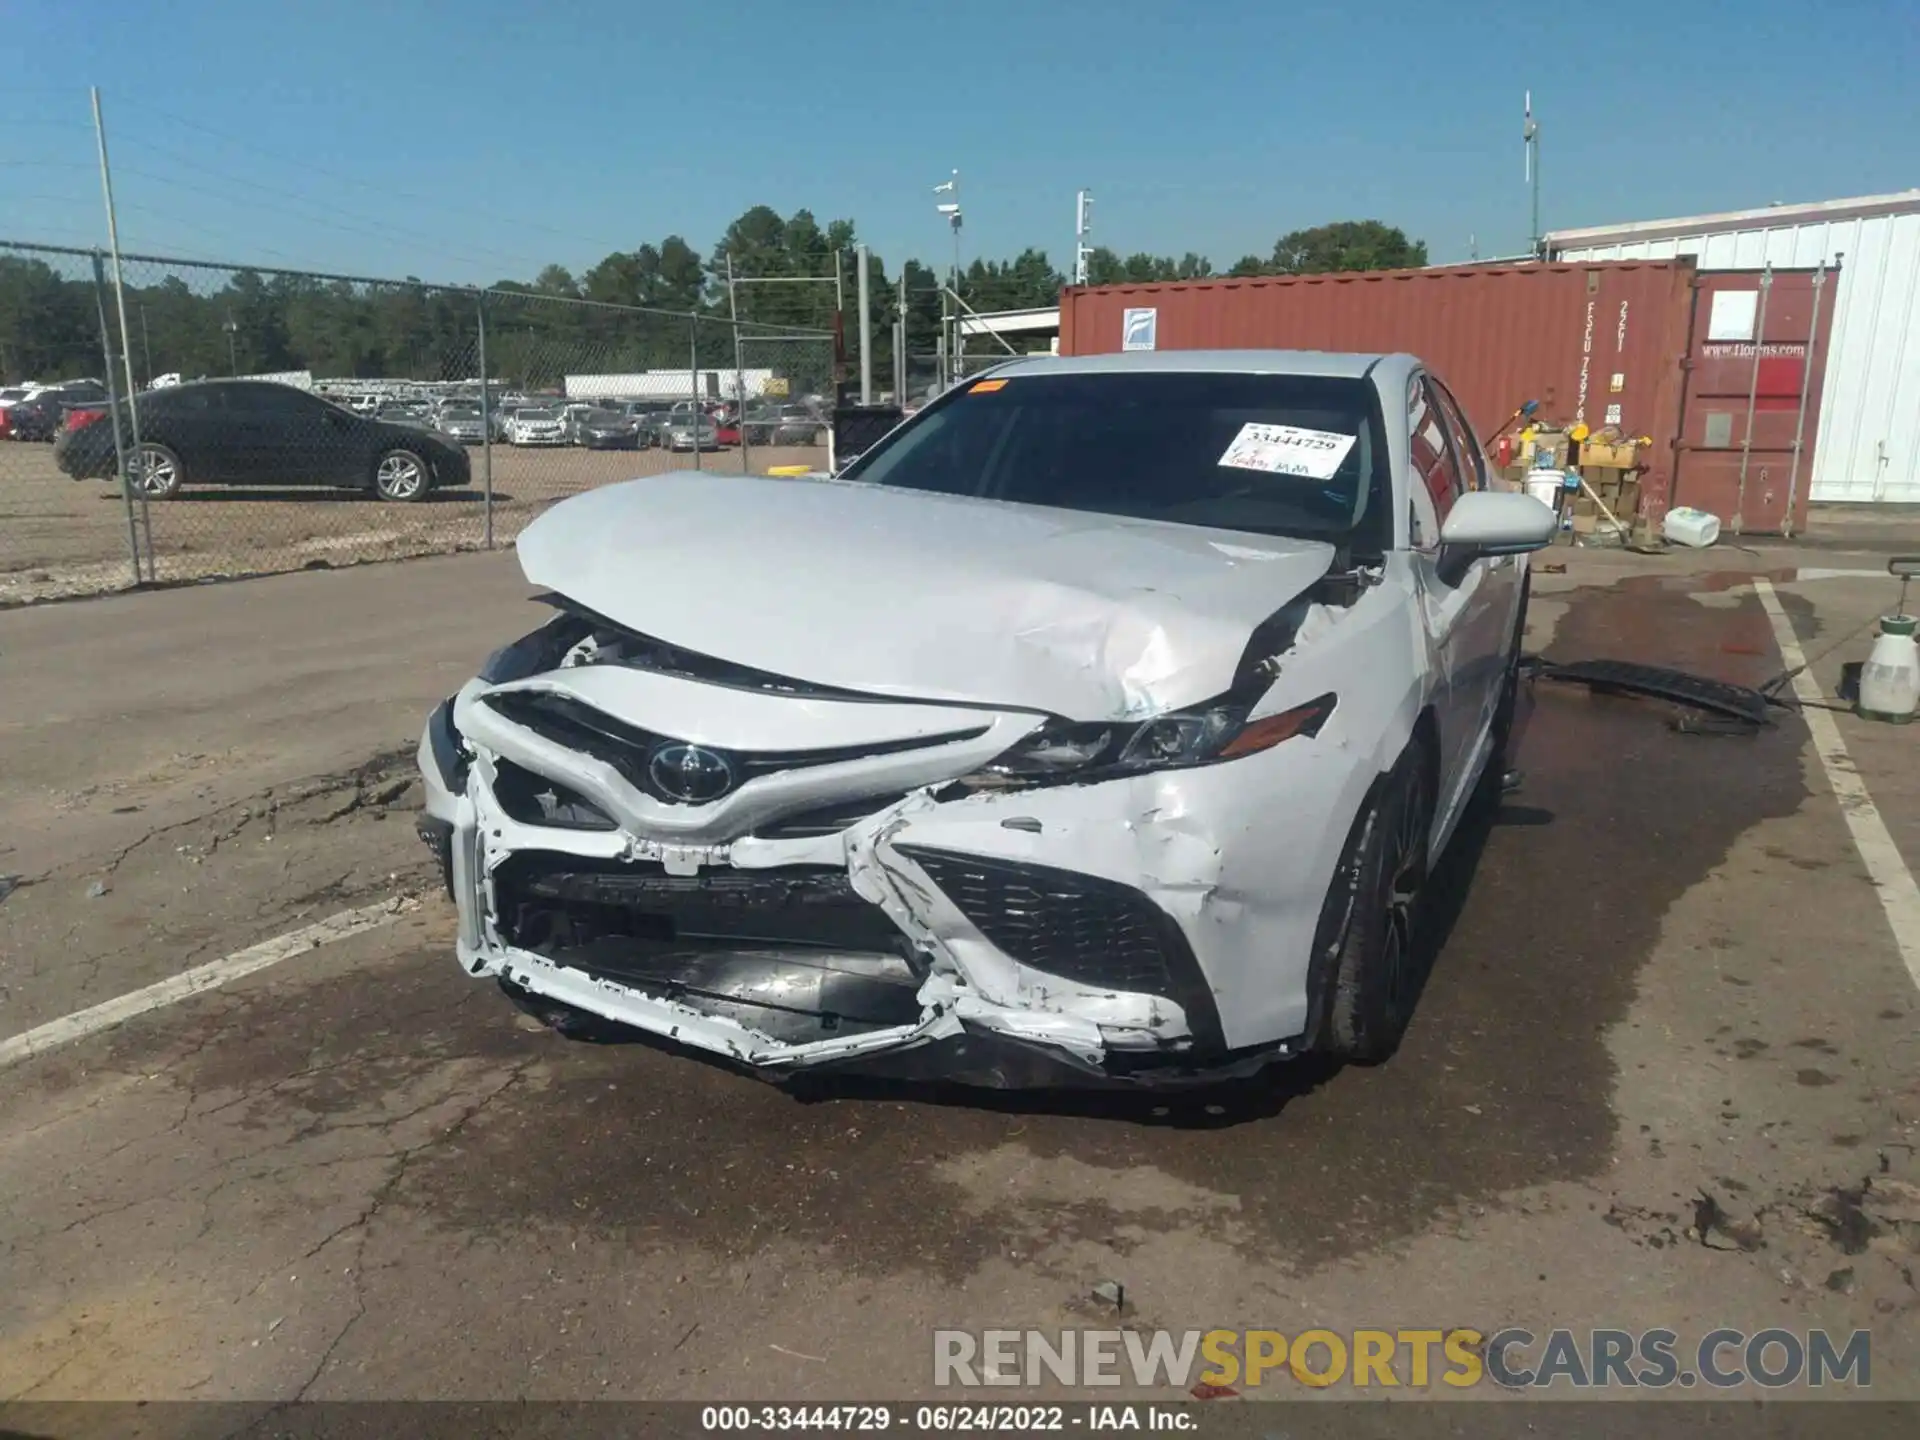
(605, 417)
(536, 414)
(460, 412)
(1270, 454)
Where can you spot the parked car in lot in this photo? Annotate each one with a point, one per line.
(682, 432)
(651, 416)
(537, 425)
(785, 425)
(573, 416)
(405, 412)
(461, 422)
(39, 415)
(255, 432)
(610, 430)
(1123, 754)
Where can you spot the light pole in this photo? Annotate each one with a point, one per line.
(233, 351)
(1082, 223)
(1530, 135)
(951, 209)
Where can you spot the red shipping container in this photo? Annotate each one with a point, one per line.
(1760, 358)
(1598, 342)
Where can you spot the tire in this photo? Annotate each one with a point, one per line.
(1366, 949)
(157, 473)
(402, 477)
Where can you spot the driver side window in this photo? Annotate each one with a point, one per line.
(1435, 466)
(1473, 460)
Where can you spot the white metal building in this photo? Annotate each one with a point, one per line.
(1868, 442)
(715, 384)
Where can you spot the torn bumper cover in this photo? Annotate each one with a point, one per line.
(849, 906)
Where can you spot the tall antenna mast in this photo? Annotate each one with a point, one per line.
(1530, 134)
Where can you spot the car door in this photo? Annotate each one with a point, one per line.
(191, 421)
(290, 438)
(1457, 617)
(1498, 593)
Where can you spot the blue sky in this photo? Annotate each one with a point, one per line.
(480, 140)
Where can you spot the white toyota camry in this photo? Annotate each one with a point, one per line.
(1100, 724)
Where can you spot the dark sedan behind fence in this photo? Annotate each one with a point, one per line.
(244, 465)
(254, 432)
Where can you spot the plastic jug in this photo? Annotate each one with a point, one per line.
(1695, 528)
(1890, 680)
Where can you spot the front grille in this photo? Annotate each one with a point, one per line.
(792, 952)
(630, 749)
(1082, 928)
(548, 902)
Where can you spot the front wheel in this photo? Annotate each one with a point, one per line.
(156, 471)
(401, 476)
(1367, 957)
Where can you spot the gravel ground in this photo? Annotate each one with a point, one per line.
(61, 538)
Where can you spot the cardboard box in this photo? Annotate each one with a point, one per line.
(1620, 457)
(1554, 442)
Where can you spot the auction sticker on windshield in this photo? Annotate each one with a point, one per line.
(1288, 450)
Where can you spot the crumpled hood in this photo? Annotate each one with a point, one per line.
(921, 596)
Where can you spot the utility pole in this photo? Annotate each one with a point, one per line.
(900, 341)
(1082, 224)
(694, 412)
(866, 326)
(950, 209)
(486, 414)
(1530, 134)
(739, 375)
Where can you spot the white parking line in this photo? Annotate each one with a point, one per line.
(1892, 880)
(200, 979)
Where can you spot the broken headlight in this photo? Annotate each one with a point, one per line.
(535, 800)
(1062, 750)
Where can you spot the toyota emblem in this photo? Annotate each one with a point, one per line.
(689, 774)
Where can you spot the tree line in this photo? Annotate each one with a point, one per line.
(654, 307)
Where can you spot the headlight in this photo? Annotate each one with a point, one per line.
(1064, 751)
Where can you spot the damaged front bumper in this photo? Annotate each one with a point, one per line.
(857, 914)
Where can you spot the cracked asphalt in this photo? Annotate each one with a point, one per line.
(1664, 1072)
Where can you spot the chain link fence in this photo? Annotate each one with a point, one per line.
(352, 419)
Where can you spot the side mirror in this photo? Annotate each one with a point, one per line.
(1483, 523)
(1904, 567)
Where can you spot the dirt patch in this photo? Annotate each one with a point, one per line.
(61, 538)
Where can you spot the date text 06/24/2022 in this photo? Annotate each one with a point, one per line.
(945, 1419)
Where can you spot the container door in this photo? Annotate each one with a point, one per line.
(1753, 368)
